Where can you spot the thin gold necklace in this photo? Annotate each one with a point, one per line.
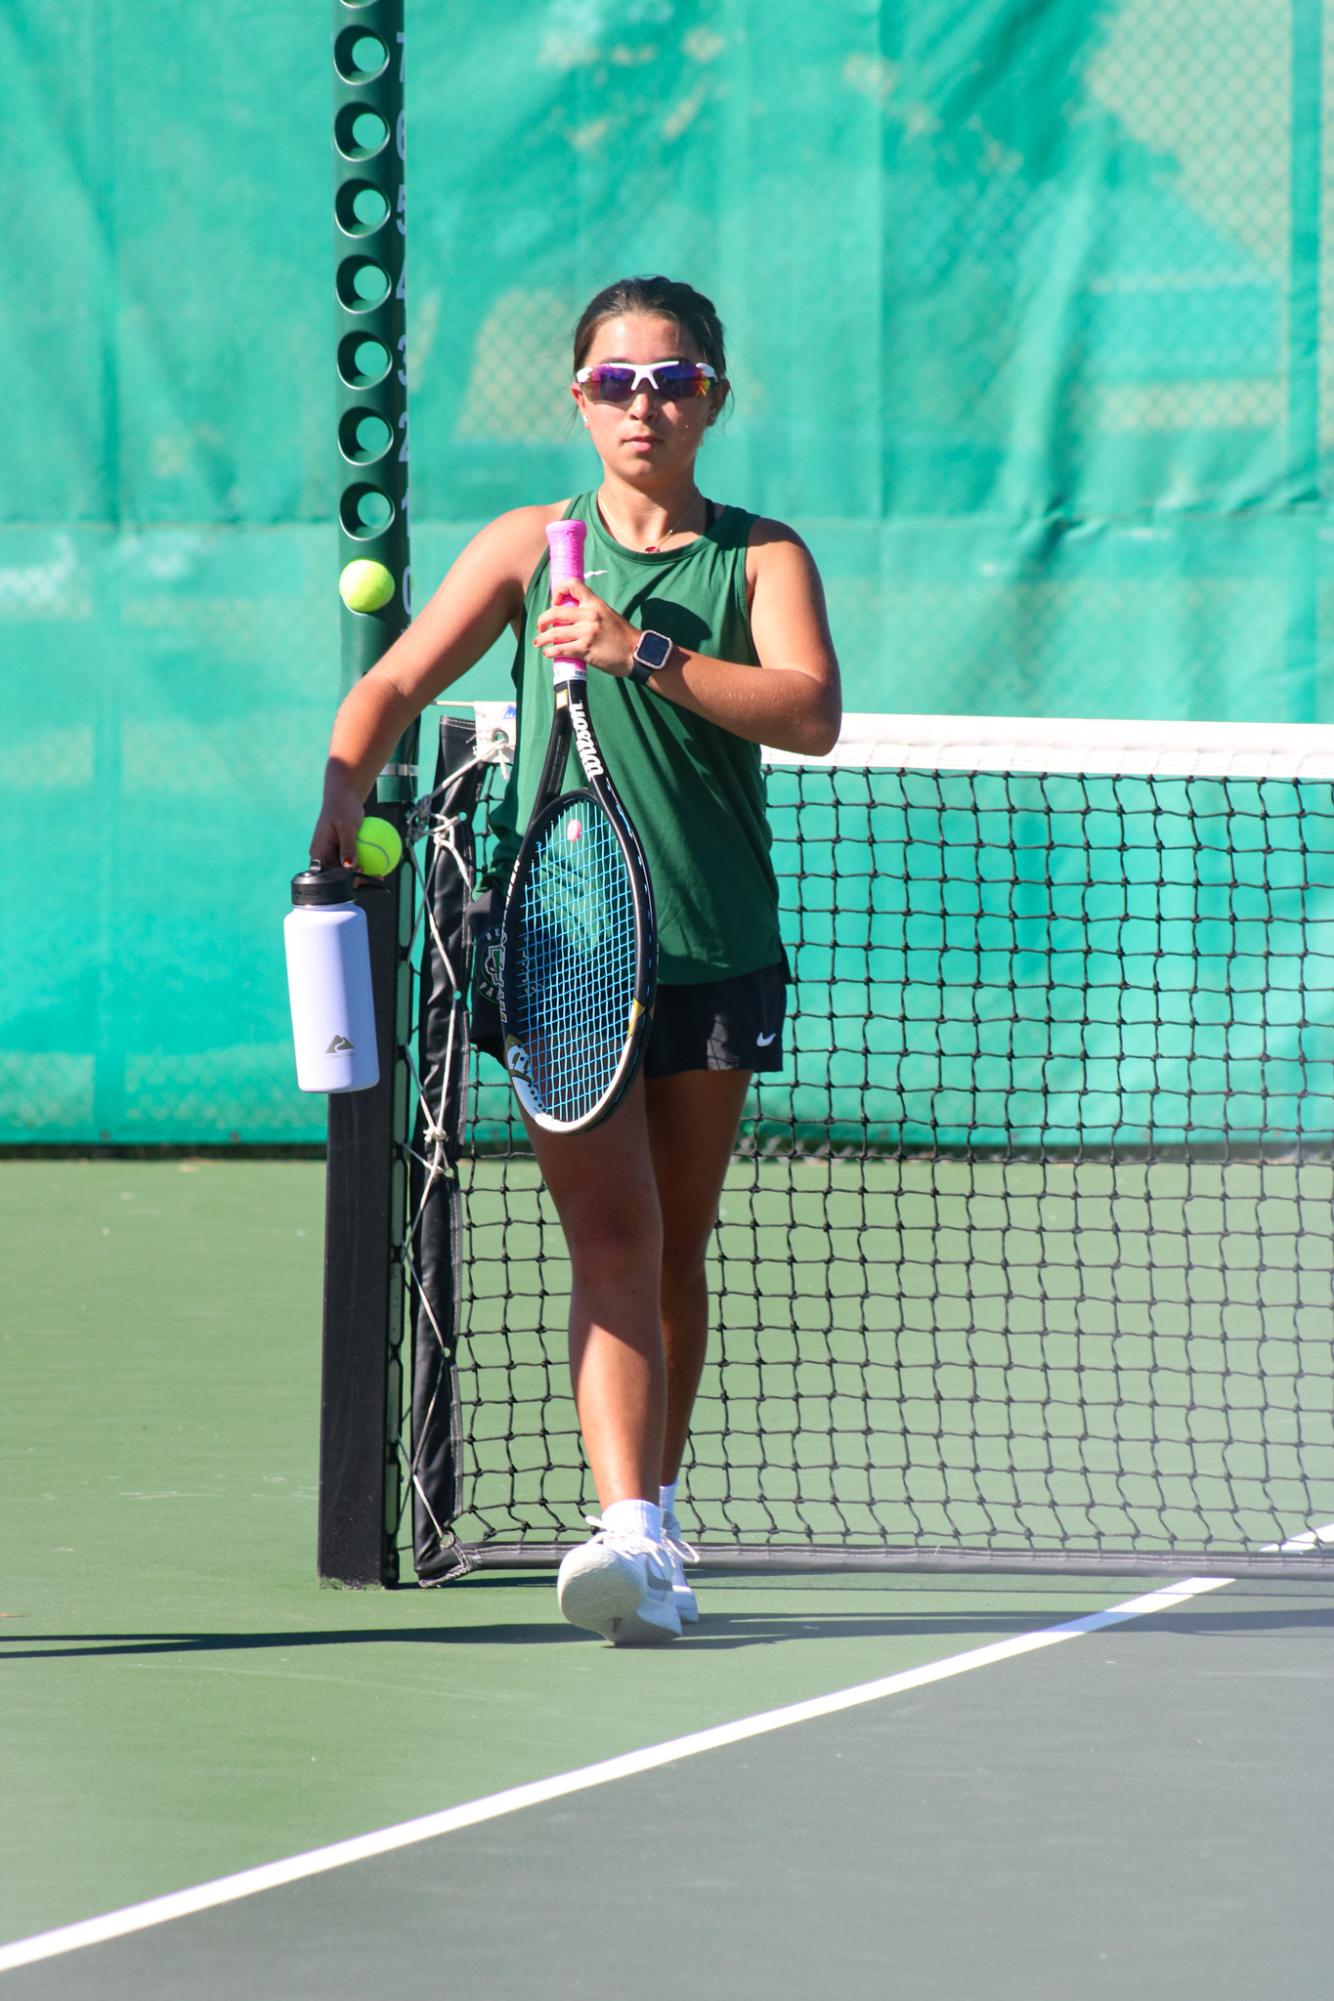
(654, 548)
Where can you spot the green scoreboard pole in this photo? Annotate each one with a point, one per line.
(366, 1194)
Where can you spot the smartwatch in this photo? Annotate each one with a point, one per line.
(653, 651)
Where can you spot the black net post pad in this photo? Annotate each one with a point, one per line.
(435, 1243)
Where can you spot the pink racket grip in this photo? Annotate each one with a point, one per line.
(565, 540)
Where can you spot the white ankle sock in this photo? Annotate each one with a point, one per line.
(634, 1518)
(667, 1499)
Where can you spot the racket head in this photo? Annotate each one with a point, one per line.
(578, 962)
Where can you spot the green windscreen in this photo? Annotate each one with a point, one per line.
(1023, 309)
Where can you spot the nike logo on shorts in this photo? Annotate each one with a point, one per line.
(763, 1041)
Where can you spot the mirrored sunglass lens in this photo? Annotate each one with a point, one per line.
(610, 385)
(681, 378)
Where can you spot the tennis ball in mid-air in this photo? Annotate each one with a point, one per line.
(365, 586)
(379, 847)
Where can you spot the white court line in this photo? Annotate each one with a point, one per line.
(363, 1847)
(1311, 1539)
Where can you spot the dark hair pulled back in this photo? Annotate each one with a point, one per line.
(668, 297)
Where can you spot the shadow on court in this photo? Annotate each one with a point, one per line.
(718, 1630)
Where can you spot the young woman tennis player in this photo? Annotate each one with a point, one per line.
(706, 630)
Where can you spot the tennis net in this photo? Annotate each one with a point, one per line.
(1027, 1254)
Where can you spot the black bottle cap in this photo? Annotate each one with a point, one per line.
(323, 884)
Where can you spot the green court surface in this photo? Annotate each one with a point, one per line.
(1142, 1808)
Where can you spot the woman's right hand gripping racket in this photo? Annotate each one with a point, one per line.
(579, 945)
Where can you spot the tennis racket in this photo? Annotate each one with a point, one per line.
(578, 940)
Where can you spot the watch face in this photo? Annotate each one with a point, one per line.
(654, 650)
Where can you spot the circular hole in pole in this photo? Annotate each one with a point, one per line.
(365, 512)
(362, 284)
(360, 55)
(363, 436)
(361, 208)
(362, 361)
(359, 133)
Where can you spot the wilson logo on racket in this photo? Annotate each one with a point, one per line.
(588, 750)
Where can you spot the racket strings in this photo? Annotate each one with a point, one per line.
(573, 961)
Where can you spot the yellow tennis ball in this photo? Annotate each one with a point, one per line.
(365, 586)
(379, 847)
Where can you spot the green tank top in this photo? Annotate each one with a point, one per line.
(694, 791)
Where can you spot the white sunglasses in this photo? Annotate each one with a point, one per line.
(620, 381)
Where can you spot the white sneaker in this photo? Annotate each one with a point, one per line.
(622, 1587)
(680, 1553)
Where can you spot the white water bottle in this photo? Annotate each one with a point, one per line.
(329, 983)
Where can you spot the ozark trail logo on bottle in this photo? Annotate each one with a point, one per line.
(340, 1046)
(588, 750)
